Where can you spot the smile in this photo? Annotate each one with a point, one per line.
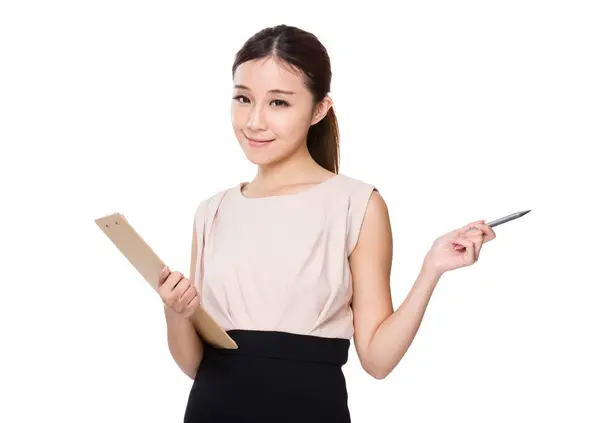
(258, 143)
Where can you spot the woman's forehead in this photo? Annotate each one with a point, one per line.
(268, 74)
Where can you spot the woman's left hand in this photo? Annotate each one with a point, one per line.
(458, 248)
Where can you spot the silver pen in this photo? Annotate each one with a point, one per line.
(506, 219)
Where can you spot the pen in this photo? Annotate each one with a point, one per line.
(506, 219)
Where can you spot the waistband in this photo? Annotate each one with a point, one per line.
(284, 345)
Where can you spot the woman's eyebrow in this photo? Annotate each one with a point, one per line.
(275, 91)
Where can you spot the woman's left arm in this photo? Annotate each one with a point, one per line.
(381, 335)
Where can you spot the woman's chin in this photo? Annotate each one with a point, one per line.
(261, 159)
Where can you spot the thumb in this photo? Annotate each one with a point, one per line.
(163, 275)
(465, 228)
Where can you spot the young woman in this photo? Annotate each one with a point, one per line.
(296, 262)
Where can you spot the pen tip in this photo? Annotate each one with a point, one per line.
(525, 212)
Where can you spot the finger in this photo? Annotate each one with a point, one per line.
(459, 243)
(471, 225)
(489, 232)
(191, 294)
(183, 301)
(172, 280)
(477, 246)
(486, 231)
(163, 275)
(182, 286)
(476, 235)
(471, 255)
(459, 246)
(194, 302)
(468, 245)
(191, 307)
(173, 297)
(461, 231)
(481, 239)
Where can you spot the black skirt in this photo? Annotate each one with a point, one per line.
(271, 377)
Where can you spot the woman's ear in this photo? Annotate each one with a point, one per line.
(321, 110)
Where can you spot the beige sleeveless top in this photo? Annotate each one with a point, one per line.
(280, 263)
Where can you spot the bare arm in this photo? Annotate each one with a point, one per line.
(184, 343)
(382, 335)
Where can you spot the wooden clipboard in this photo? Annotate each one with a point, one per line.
(149, 265)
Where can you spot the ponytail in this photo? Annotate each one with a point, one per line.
(323, 142)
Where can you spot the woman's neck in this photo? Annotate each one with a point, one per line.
(297, 169)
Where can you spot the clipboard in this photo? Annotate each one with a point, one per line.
(149, 265)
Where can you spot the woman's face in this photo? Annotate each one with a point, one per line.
(271, 111)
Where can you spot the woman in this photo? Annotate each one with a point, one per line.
(296, 262)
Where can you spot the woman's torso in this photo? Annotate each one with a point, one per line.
(281, 263)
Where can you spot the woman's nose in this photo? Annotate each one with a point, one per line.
(256, 120)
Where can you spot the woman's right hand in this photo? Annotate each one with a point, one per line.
(177, 293)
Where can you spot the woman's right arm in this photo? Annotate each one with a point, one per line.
(185, 345)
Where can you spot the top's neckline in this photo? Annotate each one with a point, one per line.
(312, 189)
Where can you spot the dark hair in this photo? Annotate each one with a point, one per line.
(303, 51)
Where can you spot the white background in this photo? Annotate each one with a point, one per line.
(456, 111)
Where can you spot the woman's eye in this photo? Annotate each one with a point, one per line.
(277, 103)
(240, 98)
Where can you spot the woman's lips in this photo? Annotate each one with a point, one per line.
(258, 142)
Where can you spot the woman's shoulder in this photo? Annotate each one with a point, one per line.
(355, 185)
(212, 201)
